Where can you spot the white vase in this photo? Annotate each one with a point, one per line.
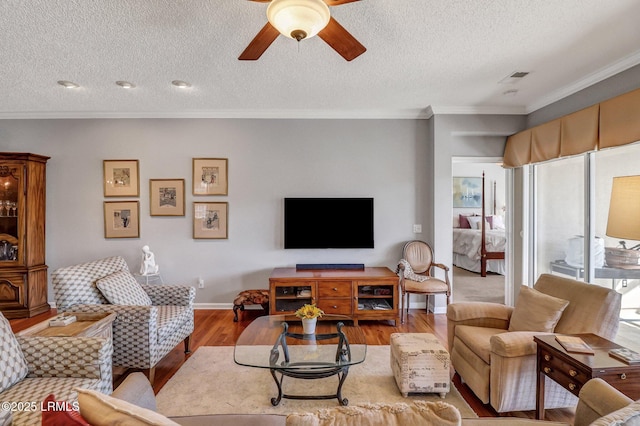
(309, 325)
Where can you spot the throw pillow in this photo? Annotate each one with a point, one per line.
(420, 413)
(61, 413)
(536, 311)
(13, 365)
(103, 410)
(121, 288)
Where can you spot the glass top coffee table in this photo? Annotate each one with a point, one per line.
(277, 343)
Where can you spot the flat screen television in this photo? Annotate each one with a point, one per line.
(320, 223)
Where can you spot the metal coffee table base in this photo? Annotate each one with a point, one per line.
(315, 370)
(310, 375)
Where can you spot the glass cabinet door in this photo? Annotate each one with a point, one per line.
(10, 211)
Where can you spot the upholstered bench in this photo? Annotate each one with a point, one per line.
(250, 297)
(420, 364)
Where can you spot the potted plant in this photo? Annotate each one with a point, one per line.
(309, 315)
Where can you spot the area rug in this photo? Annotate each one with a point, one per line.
(210, 382)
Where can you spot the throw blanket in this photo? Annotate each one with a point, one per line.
(408, 272)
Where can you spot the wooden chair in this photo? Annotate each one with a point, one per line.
(419, 256)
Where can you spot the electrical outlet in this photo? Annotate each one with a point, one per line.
(417, 229)
(200, 283)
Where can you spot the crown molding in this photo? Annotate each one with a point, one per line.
(479, 110)
(589, 80)
(406, 114)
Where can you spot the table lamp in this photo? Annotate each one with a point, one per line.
(624, 222)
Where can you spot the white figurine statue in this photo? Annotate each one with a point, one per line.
(148, 266)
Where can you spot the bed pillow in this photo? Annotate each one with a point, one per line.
(456, 221)
(536, 311)
(121, 288)
(464, 221)
(490, 222)
(497, 222)
(474, 221)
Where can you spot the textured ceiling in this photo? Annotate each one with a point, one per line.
(449, 55)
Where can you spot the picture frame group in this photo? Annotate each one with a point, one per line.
(121, 178)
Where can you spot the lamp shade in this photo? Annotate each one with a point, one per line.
(624, 209)
(298, 19)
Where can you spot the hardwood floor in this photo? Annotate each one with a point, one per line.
(216, 328)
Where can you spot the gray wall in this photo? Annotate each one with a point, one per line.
(623, 82)
(268, 160)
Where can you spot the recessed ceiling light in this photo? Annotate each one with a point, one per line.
(125, 84)
(181, 84)
(68, 84)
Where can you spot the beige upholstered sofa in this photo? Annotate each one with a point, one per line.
(492, 347)
(33, 367)
(599, 405)
(150, 322)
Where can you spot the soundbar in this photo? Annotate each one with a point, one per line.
(339, 266)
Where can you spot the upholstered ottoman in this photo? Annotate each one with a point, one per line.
(250, 297)
(420, 364)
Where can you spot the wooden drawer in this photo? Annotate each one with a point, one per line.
(334, 289)
(335, 306)
(567, 375)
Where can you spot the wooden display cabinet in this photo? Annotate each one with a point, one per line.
(371, 293)
(23, 272)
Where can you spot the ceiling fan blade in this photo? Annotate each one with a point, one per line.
(341, 40)
(332, 2)
(260, 43)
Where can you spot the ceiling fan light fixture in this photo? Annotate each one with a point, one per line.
(298, 19)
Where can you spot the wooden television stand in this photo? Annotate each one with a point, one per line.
(367, 294)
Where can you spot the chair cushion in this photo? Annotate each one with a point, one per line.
(536, 311)
(121, 288)
(432, 285)
(102, 410)
(478, 339)
(170, 318)
(13, 366)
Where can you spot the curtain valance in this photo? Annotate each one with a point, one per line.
(610, 123)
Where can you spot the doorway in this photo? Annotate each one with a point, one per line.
(468, 282)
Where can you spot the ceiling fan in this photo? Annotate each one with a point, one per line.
(300, 19)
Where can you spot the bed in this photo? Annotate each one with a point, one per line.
(479, 245)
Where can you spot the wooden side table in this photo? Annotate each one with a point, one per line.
(573, 370)
(88, 324)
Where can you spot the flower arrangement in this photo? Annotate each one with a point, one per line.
(309, 312)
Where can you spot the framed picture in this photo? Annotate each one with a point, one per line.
(467, 192)
(121, 178)
(210, 220)
(210, 176)
(121, 219)
(166, 197)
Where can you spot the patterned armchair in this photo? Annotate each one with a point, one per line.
(34, 367)
(142, 335)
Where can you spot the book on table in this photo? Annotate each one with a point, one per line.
(625, 355)
(574, 344)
